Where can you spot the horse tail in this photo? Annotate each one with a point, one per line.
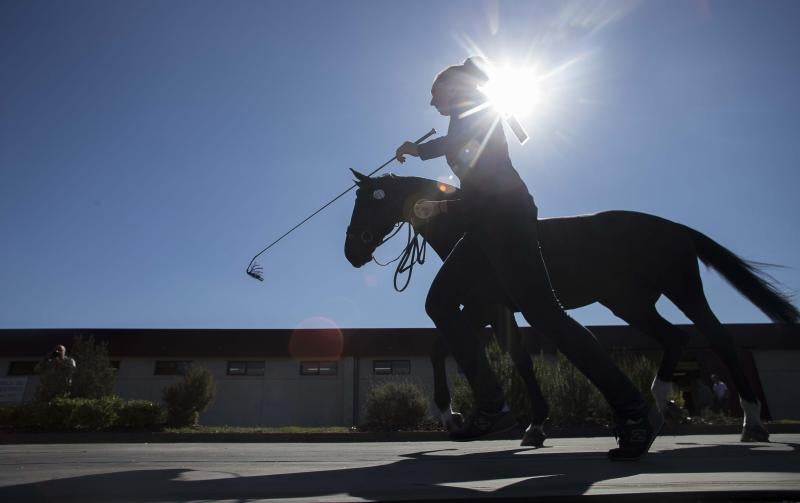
(747, 277)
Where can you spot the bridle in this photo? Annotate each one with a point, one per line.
(413, 253)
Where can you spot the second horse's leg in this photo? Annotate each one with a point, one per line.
(506, 329)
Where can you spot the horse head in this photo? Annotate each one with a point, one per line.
(382, 202)
(375, 213)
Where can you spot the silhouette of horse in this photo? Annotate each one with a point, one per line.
(622, 259)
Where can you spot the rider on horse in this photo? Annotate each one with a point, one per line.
(502, 238)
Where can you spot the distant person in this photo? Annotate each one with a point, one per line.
(704, 397)
(56, 371)
(501, 237)
(720, 390)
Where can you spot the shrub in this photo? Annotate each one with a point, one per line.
(63, 414)
(93, 376)
(571, 397)
(6, 416)
(139, 414)
(393, 406)
(190, 396)
(461, 398)
(25, 416)
(54, 381)
(99, 414)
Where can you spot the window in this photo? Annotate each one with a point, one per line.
(319, 368)
(171, 367)
(245, 368)
(21, 369)
(389, 367)
(114, 366)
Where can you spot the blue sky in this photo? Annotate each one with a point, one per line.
(149, 149)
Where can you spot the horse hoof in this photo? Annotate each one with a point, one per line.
(672, 413)
(755, 434)
(533, 437)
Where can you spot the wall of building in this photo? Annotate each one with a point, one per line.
(779, 372)
(282, 396)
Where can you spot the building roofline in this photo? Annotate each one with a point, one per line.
(332, 343)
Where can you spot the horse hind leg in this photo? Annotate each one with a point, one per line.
(691, 299)
(540, 410)
(672, 340)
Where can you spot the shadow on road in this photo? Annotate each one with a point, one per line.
(445, 475)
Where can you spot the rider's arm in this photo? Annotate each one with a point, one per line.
(433, 148)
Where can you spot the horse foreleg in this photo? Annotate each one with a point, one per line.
(441, 391)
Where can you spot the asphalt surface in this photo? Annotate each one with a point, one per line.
(684, 468)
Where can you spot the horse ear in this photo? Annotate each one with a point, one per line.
(359, 177)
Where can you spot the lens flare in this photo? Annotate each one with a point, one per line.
(318, 338)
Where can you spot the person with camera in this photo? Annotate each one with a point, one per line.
(56, 374)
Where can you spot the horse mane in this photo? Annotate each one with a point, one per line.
(419, 184)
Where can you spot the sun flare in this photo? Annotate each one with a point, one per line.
(512, 91)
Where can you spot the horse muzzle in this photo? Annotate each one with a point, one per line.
(358, 248)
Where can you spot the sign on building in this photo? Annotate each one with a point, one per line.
(12, 389)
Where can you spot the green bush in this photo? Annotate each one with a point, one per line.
(64, 414)
(571, 397)
(139, 414)
(93, 415)
(461, 397)
(6, 416)
(26, 416)
(190, 396)
(393, 406)
(93, 376)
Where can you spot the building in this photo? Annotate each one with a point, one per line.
(321, 377)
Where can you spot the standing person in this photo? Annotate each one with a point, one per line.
(720, 390)
(56, 374)
(502, 239)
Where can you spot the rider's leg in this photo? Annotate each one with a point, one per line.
(512, 249)
(443, 307)
(510, 243)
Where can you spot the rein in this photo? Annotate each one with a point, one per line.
(413, 253)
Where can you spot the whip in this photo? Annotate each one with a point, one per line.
(256, 271)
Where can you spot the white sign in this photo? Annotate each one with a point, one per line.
(12, 389)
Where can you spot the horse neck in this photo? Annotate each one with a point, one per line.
(442, 232)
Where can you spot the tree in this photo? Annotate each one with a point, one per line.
(190, 396)
(93, 376)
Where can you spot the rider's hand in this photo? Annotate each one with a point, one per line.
(407, 148)
(424, 209)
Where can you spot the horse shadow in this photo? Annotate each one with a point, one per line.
(447, 475)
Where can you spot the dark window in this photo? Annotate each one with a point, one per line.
(401, 367)
(328, 368)
(245, 368)
(382, 367)
(172, 367)
(21, 368)
(319, 368)
(388, 367)
(114, 366)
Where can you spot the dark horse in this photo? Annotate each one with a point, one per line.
(622, 259)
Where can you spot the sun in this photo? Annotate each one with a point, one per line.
(512, 91)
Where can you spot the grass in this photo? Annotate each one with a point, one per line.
(260, 429)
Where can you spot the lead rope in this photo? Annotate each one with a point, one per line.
(413, 253)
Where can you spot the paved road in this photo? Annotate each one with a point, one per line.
(707, 466)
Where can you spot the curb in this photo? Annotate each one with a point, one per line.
(11, 438)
